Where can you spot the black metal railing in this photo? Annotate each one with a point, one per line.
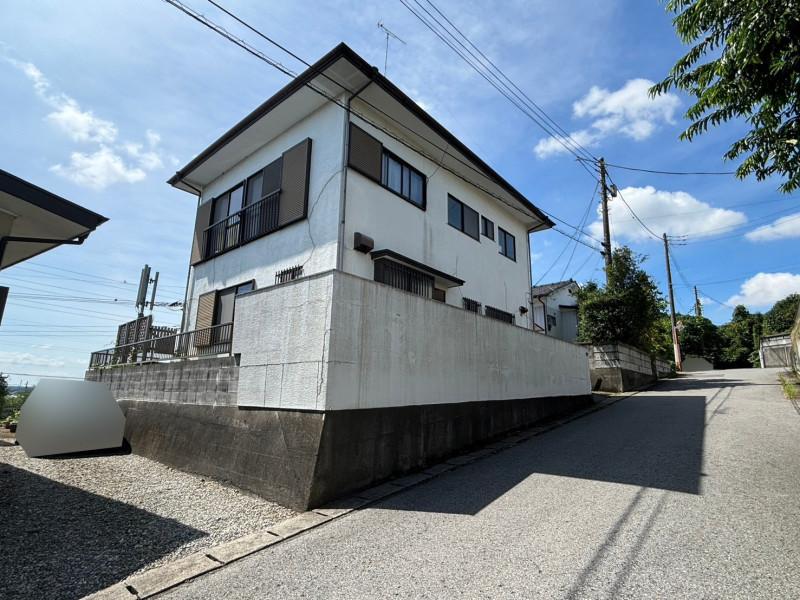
(289, 274)
(190, 344)
(471, 305)
(404, 278)
(500, 315)
(244, 226)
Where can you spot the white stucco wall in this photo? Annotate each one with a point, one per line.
(311, 242)
(338, 342)
(281, 333)
(566, 327)
(425, 236)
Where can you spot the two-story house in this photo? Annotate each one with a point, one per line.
(370, 276)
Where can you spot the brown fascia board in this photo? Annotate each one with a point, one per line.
(342, 50)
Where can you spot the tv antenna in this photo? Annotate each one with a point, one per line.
(389, 34)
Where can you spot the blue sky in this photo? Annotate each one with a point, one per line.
(103, 100)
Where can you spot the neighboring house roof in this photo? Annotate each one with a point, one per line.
(33, 220)
(548, 288)
(334, 79)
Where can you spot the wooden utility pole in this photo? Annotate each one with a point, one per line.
(606, 228)
(698, 308)
(676, 345)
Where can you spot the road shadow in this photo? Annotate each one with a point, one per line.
(61, 542)
(648, 441)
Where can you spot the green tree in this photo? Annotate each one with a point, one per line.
(628, 309)
(700, 337)
(740, 339)
(745, 64)
(780, 318)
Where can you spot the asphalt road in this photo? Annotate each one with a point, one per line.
(690, 490)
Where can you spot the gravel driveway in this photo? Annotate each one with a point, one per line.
(71, 526)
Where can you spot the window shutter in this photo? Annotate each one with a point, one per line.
(294, 183)
(201, 223)
(365, 153)
(271, 181)
(205, 318)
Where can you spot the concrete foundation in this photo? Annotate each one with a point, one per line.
(304, 459)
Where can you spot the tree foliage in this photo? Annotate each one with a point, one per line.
(700, 337)
(780, 318)
(745, 63)
(741, 339)
(627, 309)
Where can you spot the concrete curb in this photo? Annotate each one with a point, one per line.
(160, 579)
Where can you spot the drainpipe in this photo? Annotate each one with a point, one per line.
(343, 193)
(544, 314)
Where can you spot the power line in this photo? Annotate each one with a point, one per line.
(657, 172)
(635, 216)
(261, 56)
(486, 72)
(581, 225)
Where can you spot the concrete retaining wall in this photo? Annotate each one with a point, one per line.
(212, 381)
(339, 342)
(304, 459)
(621, 368)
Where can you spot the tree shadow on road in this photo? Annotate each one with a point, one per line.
(62, 542)
(649, 441)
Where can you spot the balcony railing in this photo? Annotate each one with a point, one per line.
(244, 226)
(201, 342)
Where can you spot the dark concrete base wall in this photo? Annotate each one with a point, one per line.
(305, 459)
(619, 380)
(361, 447)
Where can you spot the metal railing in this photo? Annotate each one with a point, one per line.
(190, 344)
(243, 226)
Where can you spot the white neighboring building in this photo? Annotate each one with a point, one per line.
(555, 309)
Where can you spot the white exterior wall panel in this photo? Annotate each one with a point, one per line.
(426, 236)
(311, 242)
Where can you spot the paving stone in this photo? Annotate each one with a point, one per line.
(235, 549)
(162, 578)
(115, 592)
(342, 506)
(298, 524)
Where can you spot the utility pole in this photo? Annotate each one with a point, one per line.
(606, 227)
(698, 308)
(676, 345)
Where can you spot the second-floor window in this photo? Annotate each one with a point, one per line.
(462, 217)
(508, 245)
(403, 179)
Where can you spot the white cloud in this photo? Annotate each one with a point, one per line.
(81, 125)
(99, 169)
(29, 360)
(628, 111)
(105, 166)
(765, 289)
(676, 213)
(780, 229)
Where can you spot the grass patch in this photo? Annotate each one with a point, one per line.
(791, 387)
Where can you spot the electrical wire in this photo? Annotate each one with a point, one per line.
(261, 56)
(487, 73)
(657, 172)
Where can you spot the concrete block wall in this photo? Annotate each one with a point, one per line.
(210, 381)
(620, 368)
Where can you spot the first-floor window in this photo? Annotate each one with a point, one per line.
(404, 278)
(226, 301)
(508, 245)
